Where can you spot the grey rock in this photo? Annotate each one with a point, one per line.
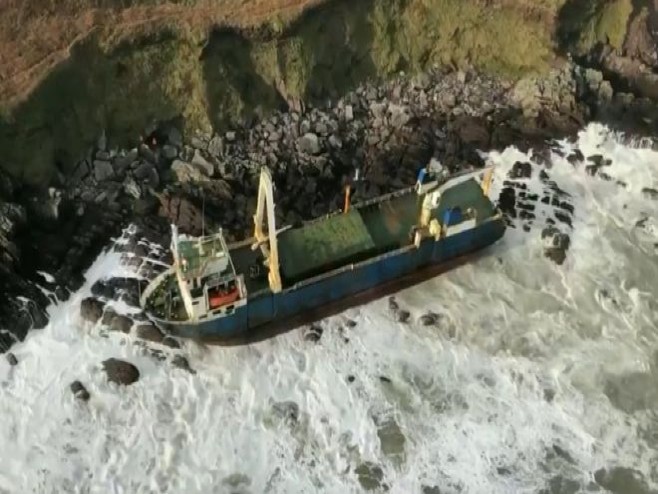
(103, 170)
(123, 161)
(149, 332)
(120, 371)
(349, 113)
(186, 172)
(119, 322)
(80, 172)
(103, 156)
(11, 358)
(79, 391)
(174, 137)
(216, 146)
(143, 171)
(335, 142)
(91, 309)
(198, 142)
(181, 362)
(622, 480)
(399, 115)
(131, 188)
(169, 152)
(170, 342)
(202, 164)
(370, 476)
(101, 143)
(288, 411)
(606, 92)
(230, 136)
(378, 110)
(309, 143)
(321, 128)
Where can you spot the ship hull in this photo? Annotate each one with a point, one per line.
(265, 311)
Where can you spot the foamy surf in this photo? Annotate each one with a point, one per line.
(527, 376)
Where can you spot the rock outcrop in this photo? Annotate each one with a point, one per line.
(120, 371)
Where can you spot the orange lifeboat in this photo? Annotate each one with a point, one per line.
(221, 297)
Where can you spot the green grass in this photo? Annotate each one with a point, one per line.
(124, 88)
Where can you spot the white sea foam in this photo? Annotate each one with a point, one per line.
(517, 366)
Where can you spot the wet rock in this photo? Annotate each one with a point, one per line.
(11, 358)
(520, 170)
(507, 202)
(350, 323)
(385, 379)
(181, 362)
(430, 319)
(403, 316)
(650, 193)
(576, 157)
(79, 391)
(120, 371)
(170, 342)
(562, 453)
(351, 379)
(149, 332)
(561, 485)
(430, 489)
(393, 304)
(622, 480)
(391, 439)
(288, 411)
(117, 322)
(238, 482)
(634, 391)
(91, 309)
(370, 476)
(313, 334)
(556, 244)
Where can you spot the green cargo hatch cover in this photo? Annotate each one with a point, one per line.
(323, 245)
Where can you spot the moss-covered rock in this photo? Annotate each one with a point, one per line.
(584, 24)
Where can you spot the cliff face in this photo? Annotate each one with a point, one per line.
(147, 61)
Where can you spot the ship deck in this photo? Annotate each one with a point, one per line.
(331, 242)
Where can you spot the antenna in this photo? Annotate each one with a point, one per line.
(203, 214)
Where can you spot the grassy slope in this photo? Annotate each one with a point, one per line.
(155, 60)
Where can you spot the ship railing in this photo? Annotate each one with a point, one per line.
(153, 285)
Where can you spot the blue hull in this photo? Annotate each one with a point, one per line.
(307, 296)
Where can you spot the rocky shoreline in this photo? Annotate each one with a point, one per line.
(387, 130)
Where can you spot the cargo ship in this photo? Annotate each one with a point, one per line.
(221, 292)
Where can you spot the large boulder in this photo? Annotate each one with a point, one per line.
(120, 371)
(187, 172)
(181, 212)
(91, 309)
(149, 332)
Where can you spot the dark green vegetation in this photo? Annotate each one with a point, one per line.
(216, 81)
